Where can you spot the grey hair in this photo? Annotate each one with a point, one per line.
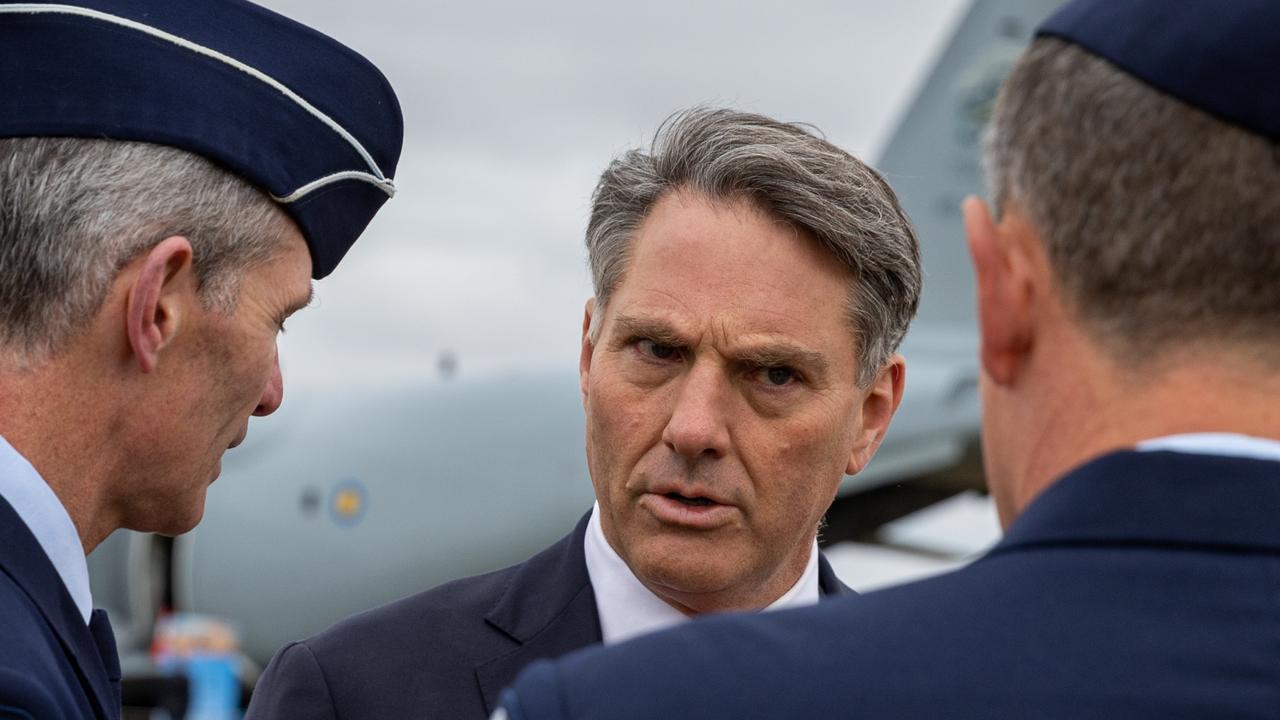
(1161, 223)
(794, 175)
(74, 212)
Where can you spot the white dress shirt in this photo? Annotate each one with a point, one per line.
(627, 608)
(30, 496)
(1228, 444)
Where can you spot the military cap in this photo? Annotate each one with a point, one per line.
(1221, 56)
(293, 112)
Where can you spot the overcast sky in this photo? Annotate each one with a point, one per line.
(512, 110)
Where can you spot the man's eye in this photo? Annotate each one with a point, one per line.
(657, 350)
(779, 376)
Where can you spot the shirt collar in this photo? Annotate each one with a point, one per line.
(627, 608)
(47, 519)
(1226, 444)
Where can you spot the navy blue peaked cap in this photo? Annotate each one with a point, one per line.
(290, 110)
(1222, 56)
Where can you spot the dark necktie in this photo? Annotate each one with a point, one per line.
(105, 639)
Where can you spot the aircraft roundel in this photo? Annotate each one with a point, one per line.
(348, 502)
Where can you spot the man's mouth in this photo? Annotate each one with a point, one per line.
(696, 501)
(691, 511)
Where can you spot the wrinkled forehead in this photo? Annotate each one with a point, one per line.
(701, 262)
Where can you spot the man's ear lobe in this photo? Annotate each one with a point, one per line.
(588, 347)
(158, 299)
(1004, 296)
(878, 407)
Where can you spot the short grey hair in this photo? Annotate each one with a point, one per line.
(1161, 222)
(74, 212)
(795, 176)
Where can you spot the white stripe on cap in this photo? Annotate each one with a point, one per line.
(329, 180)
(377, 178)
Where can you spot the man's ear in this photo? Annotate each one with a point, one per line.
(878, 407)
(159, 298)
(1005, 290)
(588, 348)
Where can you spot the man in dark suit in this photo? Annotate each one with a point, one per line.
(1129, 314)
(752, 284)
(169, 185)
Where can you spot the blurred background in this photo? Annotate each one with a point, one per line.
(511, 112)
(432, 426)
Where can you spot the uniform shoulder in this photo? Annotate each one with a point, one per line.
(748, 665)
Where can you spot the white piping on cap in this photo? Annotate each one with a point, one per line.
(376, 178)
(387, 185)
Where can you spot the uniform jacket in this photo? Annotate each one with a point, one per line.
(447, 652)
(52, 667)
(1142, 585)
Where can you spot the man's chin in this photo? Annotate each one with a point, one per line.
(174, 518)
(187, 524)
(685, 565)
(169, 527)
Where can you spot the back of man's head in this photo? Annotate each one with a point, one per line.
(1127, 284)
(1159, 219)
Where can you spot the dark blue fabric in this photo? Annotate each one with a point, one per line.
(1222, 57)
(446, 652)
(52, 667)
(72, 76)
(1142, 585)
(104, 639)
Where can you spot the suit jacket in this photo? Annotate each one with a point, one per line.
(447, 652)
(52, 667)
(1142, 585)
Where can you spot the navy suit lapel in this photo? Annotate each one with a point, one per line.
(22, 558)
(105, 640)
(547, 609)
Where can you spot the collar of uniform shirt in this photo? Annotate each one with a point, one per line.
(34, 501)
(627, 608)
(1228, 444)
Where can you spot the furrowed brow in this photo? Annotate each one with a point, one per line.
(783, 355)
(655, 330)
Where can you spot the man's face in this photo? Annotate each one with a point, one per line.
(721, 403)
(223, 368)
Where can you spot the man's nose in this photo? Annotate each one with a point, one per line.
(697, 425)
(273, 393)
